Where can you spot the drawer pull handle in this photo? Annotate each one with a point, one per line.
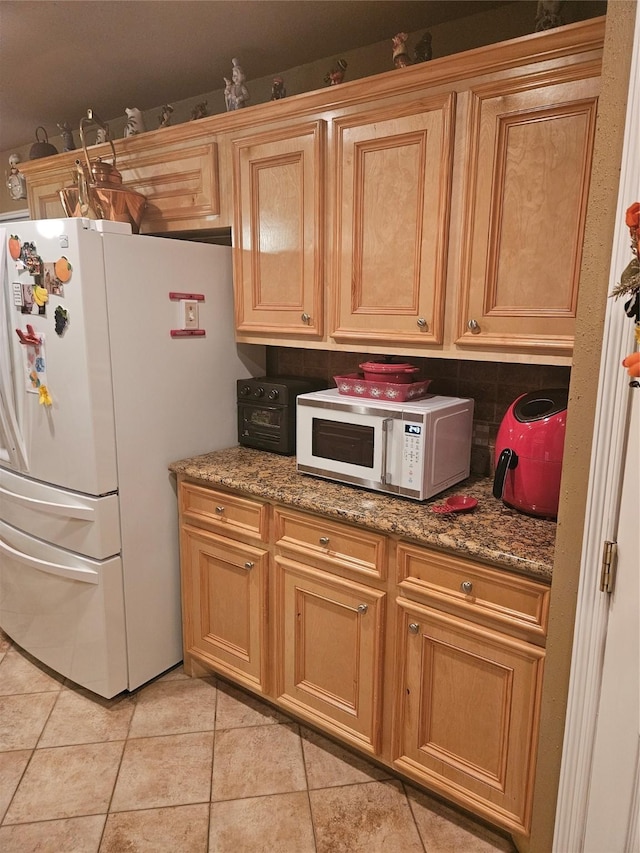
(249, 564)
(466, 587)
(422, 323)
(219, 510)
(362, 608)
(324, 541)
(305, 317)
(413, 627)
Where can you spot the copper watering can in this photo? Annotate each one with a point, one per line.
(98, 192)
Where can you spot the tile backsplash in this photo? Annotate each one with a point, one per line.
(492, 385)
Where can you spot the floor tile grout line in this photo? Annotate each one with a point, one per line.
(411, 811)
(306, 779)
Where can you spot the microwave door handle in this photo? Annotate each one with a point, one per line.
(387, 426)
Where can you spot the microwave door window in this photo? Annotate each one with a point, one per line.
(343, 442)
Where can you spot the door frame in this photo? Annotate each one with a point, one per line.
(605, 477)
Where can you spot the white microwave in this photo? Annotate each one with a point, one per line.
(414, 449)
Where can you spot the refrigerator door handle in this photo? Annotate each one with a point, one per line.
(84, 513)
(84, 575)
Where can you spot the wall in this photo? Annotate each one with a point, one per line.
(493, 386)
(515, 19)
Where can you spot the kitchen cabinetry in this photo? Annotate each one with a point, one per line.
(178, 177)
(278, 202)
(429, 662)
(527, 168)
(435, 209)
(469, 682)
(224, 584)
(392, 168)
(329, 626)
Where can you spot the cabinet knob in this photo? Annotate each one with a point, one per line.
(421, 322)
(362, 608)
(473, 326)
(305, 317)
(413, 627)
(249, 564)
(324, 541)
(466, 587)
(219, 510)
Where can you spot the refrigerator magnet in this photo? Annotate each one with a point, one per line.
(36, 367)
(61, 319)
(15, 247)
(51, 281)
(44, 398)
(63, 269)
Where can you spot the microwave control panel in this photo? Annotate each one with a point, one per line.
(412, 450)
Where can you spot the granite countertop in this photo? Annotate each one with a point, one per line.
(492, 532)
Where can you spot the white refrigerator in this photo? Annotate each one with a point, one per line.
(117, 356)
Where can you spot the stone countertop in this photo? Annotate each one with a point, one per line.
(492, 532)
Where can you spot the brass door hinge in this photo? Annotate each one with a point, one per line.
(609, 564)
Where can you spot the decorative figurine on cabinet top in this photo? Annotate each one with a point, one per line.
(67, 136)
(336, 75)
(277, 90)
(102, 135)
(236, 94)
(548, 14)
(164, 119)
(135, 122)
(400, 52)
(423, 51)
(16, 181)
(199, 111)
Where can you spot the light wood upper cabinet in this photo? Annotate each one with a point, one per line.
(528, 163)
(278, 200)
(177, 175)
(392, 173)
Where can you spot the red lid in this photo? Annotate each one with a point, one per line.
(388, 367)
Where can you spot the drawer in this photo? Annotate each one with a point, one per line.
(335, 545)
(226, 513)
(499, 597)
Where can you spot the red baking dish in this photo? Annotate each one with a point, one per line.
(353, 385)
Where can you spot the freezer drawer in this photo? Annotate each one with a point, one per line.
(65, 610)
(74, 521)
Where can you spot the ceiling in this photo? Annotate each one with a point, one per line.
(59, 57)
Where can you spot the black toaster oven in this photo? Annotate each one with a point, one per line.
(267, 411)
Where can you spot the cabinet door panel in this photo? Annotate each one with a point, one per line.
(278, 242)
(329, 651)
(466, 721)
(528, 165)
(224, 605)
(392, 177)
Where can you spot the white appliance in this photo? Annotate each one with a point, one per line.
(130, 363)
(414, 449)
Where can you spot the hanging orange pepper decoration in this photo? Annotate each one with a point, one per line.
(629, 287)
(632, 363)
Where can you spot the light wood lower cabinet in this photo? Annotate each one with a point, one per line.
(329, 650)
(224, 588)
(467, 712)
(428, 662)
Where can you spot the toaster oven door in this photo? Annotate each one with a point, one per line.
(266, 427)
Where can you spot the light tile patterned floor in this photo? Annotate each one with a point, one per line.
(195, 766)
